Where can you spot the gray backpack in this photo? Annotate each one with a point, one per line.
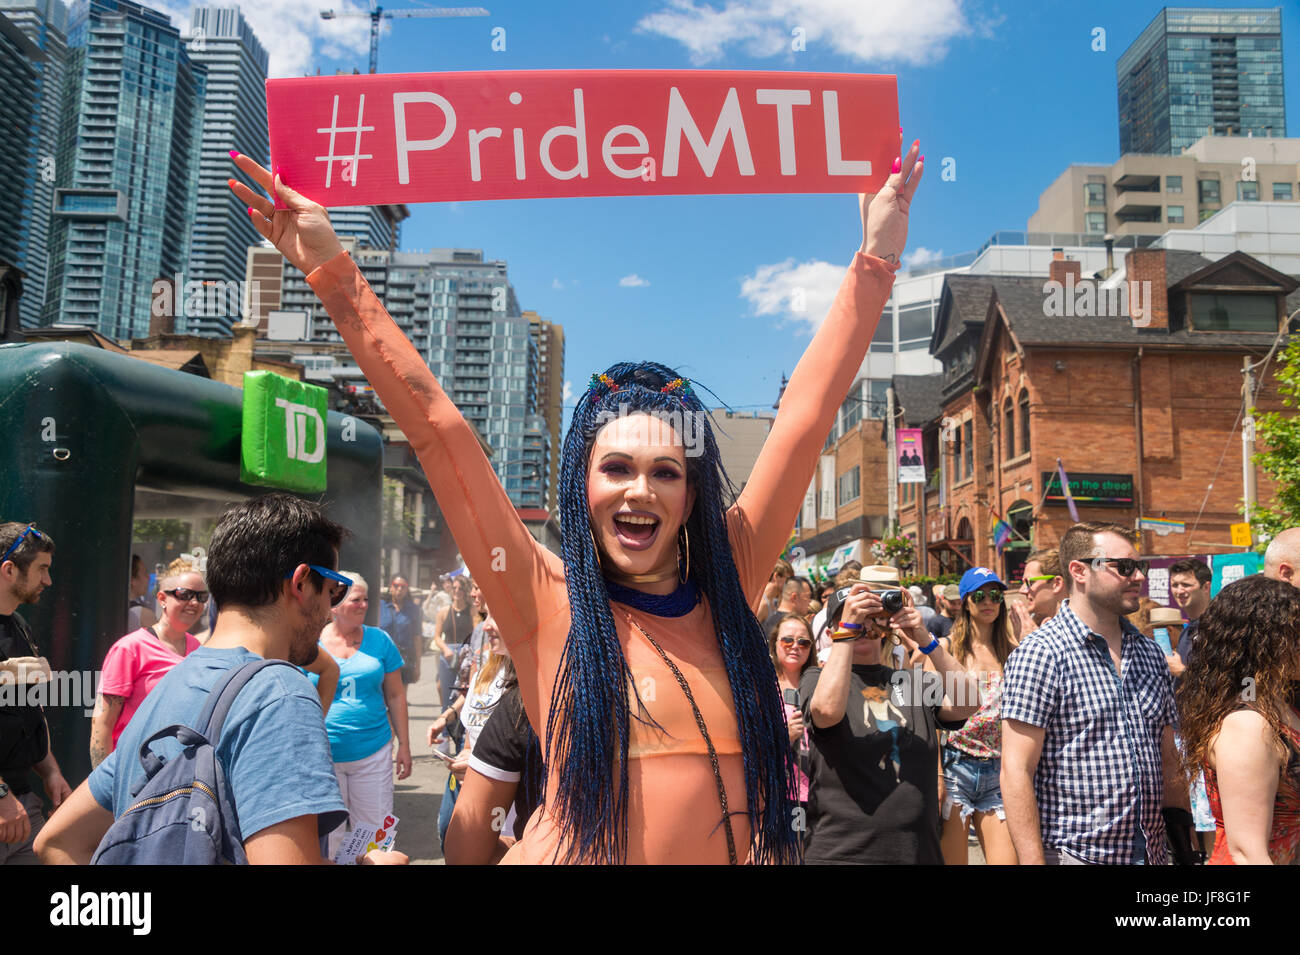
(183, 812)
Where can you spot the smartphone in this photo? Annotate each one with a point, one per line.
(1162, 638)
(443, 756)
(792, 697)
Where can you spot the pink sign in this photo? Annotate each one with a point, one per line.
(911, 457)
(438, 137)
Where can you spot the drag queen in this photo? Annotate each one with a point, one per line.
(639, 661)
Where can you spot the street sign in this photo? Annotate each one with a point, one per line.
(1240, 535)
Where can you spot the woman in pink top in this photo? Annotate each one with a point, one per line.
(791, 646)
(640, 662)
(139, 660)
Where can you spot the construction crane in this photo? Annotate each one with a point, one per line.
(378, 13)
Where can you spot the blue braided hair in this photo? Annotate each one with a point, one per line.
(587, 729)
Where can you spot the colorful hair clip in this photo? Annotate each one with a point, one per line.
(602, 379)
(679, 387)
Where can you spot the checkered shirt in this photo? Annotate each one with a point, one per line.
(1099, 779)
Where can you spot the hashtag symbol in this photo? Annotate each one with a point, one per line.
(350, 163)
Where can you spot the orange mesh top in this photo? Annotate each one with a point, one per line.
(673, 811)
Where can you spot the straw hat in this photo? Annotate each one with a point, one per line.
(1164, 616)
(880, 576)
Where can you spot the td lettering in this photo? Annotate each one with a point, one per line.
(295, 431)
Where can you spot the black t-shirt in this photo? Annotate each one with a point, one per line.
(507, 749)
(23, 740)
(873, 794)
(939, 626)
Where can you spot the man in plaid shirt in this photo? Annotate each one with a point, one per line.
(1088, 753)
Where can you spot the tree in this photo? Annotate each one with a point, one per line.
(1279, 433)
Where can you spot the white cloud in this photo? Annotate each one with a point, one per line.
(296, 38)
(921, 256)
(801, 293)
(568, 393)
(633, 281)
(915, 32)
(557, 285)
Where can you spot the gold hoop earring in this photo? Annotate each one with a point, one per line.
(687, 576)
(595, 547)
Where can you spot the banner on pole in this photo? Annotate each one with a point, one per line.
(911, 457)
(439, 137)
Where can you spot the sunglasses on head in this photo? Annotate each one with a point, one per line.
(31, 529)
(979, 596)
(341, 583)
(185, 594)
(800, 641)
(1124, 565)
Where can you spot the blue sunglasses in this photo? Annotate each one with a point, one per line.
(31, 529)
(340, 592)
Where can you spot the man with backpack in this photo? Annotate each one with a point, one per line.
(271, 572)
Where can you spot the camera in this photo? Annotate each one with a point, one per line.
(892, 601)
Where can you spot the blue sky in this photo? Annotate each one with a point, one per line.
(1012, 91)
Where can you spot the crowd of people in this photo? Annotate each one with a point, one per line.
(654, 693)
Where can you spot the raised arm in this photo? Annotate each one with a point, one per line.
(761, 519)
(514, 571)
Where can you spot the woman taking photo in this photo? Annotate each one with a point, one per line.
(368, 710)
(622, 643)
(792, 653)
(135, 663)
(980, 641)
(1239, 722)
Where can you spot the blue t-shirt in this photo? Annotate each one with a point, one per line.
(273, 746)
(357, 722)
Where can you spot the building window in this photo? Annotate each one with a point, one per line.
(1281, 191)
(1209, 190)
(1095, 222)
(1234, 313)
(1173, 184)
(1174, 214)
(968, 448)
(849, 486)
(956, 455)
(1009, 427)
(1024, 421)
(1094, 194)
(1248, 192)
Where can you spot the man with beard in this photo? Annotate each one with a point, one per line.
(1088, 755)
(271, 572)
(399, 617)
(25, 557)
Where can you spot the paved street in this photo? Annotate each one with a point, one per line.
(417, 799)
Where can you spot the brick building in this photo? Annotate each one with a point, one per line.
(1138, 396)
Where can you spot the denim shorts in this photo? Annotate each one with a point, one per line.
(971, 783)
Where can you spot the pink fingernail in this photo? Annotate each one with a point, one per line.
(900, 129)
(922, 159)
(898, 164)
(234, 153)
(250, 210)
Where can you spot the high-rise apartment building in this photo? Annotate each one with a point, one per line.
(44, 23)
(18, 56)
(234, 117)
(549, 338)
(1195, 72)
(374, 227)
(127, 167)
(461, 314)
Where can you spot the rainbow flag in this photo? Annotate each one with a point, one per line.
(1001, 534)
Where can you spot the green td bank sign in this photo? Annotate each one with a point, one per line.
(283, 441)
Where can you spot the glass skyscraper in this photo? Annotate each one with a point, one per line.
(234, 117)
(127, 167)
(1195, 72)
(45, 24)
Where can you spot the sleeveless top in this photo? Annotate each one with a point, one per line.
(981, 734)
(1284, 838)
(457, 625)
